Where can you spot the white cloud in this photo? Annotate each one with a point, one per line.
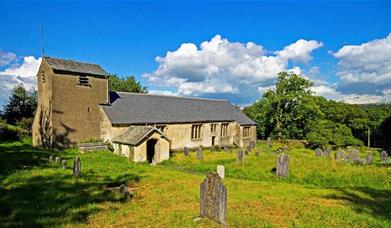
(6, 57)
(24, 73)
(368, 62)
(219, 66)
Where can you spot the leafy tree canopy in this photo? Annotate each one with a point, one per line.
(125, 84)
(21, 104)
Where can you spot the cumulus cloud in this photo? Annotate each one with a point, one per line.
(220, 66)
(6, 57)
(368, 62)
(23, 73)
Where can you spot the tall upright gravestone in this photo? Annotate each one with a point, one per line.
(213, 198)
(327, 152)
(76, 167)
(186, 151)
(384, 155)
(199, 153)
(269, 142)
(241, 157)
(369, 158)
(318, 152)
(282, 165)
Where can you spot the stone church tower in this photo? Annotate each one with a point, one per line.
(69, 94)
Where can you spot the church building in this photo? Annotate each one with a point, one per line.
(75, 105)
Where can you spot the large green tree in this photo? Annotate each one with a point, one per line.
(286, 111)
(125, 84)
(21, 104)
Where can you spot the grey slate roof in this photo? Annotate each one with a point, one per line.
(136, 134)
(132, 108)
(75, 67)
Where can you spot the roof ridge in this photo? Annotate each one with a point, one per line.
(172, 96)
(71, 60)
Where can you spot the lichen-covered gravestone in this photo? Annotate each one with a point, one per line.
(57, 160)
(241, 157)
(221, 171)
(318, 152)
(282, 165)
(76, 167)
(213, 198)
(369, 158)
(327, 152)
(199, 153)
(186, 151)
(269, 142)
(384, 155)
(64, 163)
(51, 158)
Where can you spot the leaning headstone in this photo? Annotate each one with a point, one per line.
(199, 153)
(221, 171)
(57, 160)
(64, 163)
(269, 142)
(354, 155)
(369, 158)
(240, 157)
(327, 152)
(186, 151)
(76, 167)
(318, 152)
(213, 198)
(282, 165)
(125, 194)
(384, 155)
(51, 158)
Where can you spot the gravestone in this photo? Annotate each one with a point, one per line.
(360, 161)
(318, 152)
(369, 158)
(339, 155)
(259, 152)
(384, 155)
(64, 163)
(241, 157)
(221, 171)
(354, 155)
(76, 167)
(252, 145)
(51, 158)
(269, 142)
(213, 198)
(57, 160)
(199, 153)
(327, 152)
(186, 151)
(282, 165)
(125, 194)
(248, 149)
(226, 148)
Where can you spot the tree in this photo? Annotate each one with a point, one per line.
(125, 84)
(287, 110)
(21, 104)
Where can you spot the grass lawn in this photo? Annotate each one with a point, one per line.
(318, 191)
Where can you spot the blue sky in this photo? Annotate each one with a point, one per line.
(126, 37)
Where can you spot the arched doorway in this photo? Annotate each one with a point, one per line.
(151, 149)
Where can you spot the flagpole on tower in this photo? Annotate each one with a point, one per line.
(42, 42)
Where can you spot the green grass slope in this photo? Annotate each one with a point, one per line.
(319, 192)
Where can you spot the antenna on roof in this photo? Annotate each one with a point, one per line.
(42, 42)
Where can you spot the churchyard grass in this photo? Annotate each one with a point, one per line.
(318, 191)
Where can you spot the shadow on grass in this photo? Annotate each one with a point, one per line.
(374, 202)
(48, 196)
